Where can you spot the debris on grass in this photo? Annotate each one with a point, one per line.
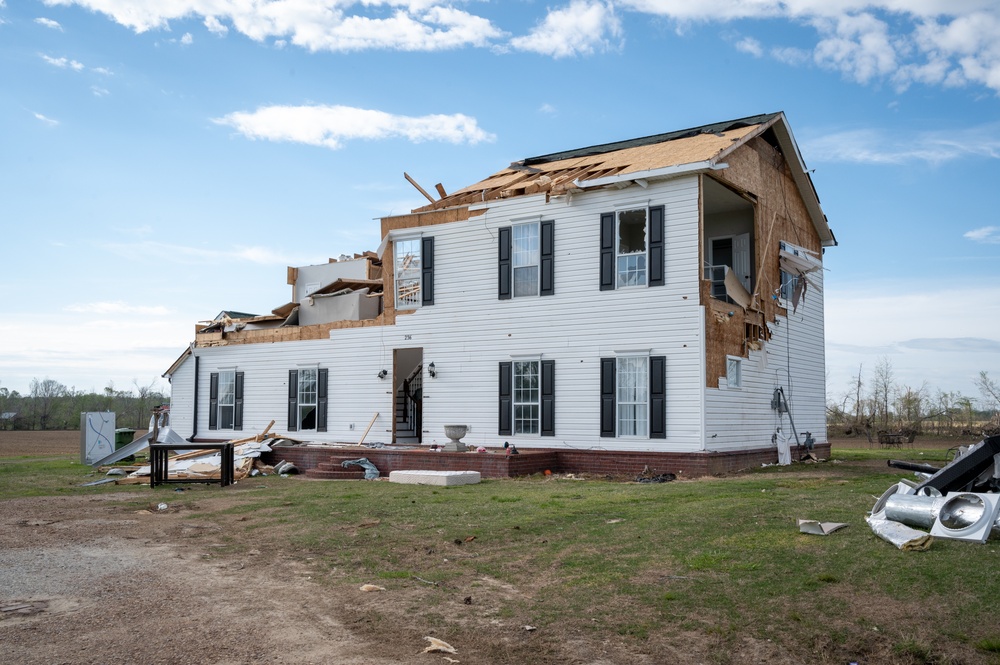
(818, 528)
(372, 587)
(437, 645)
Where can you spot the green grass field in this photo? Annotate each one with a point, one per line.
(718, 557)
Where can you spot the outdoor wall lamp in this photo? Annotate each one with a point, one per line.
(432, 370)
(383, 373)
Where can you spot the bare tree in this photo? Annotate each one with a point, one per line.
(43, 398)
(883, 386)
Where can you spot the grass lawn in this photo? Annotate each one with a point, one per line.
(646, 569)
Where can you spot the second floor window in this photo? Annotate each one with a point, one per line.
(408, 266)
(524, 257)
(630, 248)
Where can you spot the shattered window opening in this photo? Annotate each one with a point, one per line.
(525, 259)
(631, 247)
(227, 399)
(632, 374)
(407, 273)
(734, 372)
(307, 399)
(527, 397)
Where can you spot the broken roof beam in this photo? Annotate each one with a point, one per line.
(419, 188)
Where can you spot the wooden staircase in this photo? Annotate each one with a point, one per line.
(408, 407)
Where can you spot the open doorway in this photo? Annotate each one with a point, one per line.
(408, 391)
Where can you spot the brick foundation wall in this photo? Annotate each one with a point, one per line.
(494, 465)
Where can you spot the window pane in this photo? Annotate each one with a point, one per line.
(227, 399)
(307, 386)
(632, 377)
(526, 281)
(527, 397)
(226, 417)
(407, 272)
(524, 246)
(632, 231)
(632, 247)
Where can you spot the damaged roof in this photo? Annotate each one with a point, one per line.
(620, 163)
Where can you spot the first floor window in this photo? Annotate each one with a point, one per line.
(734, 372)
(307, 399)
(527, 397)
(225, 400)
(633, 396)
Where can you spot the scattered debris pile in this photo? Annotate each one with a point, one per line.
(960, 501)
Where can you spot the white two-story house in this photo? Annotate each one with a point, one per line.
(657, 295)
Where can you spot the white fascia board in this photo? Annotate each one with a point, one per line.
(651, 174)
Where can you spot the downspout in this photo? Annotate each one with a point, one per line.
(194, 425)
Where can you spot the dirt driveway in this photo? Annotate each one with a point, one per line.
(100, 583)
(106, 578)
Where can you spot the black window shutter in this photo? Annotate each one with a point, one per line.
(658, 397)
(608, 251)
(546, 255)
(322, 377)
(504, 289)
(506, 399)
(548, 397)
(656, 248)
(427, 271)
(608, 427)
(213, 400)
(293, 400)
(238, 410)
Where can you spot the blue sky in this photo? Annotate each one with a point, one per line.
(160, 162)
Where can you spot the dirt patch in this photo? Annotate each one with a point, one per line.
(39, 444)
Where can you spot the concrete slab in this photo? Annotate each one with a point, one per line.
(445, 478)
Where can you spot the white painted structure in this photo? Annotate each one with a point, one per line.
(468, 333)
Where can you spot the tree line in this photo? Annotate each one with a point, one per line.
(50, 405)
(877, 403)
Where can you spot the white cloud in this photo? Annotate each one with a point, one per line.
(331, 126)
(62, 63)
(987, 235)
(215, 26)
(581, 28)
(751, 46)
(47, 121)
(858, 46)
(322, 25)
(117, 307)
(99, 91)
(48, 23)
(102, 71)
(547, 109)
(183, 254)
(870, 146)
(888, 318)
(187, 39)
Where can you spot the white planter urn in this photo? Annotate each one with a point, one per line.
(455, 434)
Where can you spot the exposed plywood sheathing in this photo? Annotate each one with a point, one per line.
(780, 215)
(558, 177)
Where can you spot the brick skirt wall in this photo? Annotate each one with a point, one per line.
(325, 462)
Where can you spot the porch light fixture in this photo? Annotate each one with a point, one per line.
(383, 373)
(432, 370)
